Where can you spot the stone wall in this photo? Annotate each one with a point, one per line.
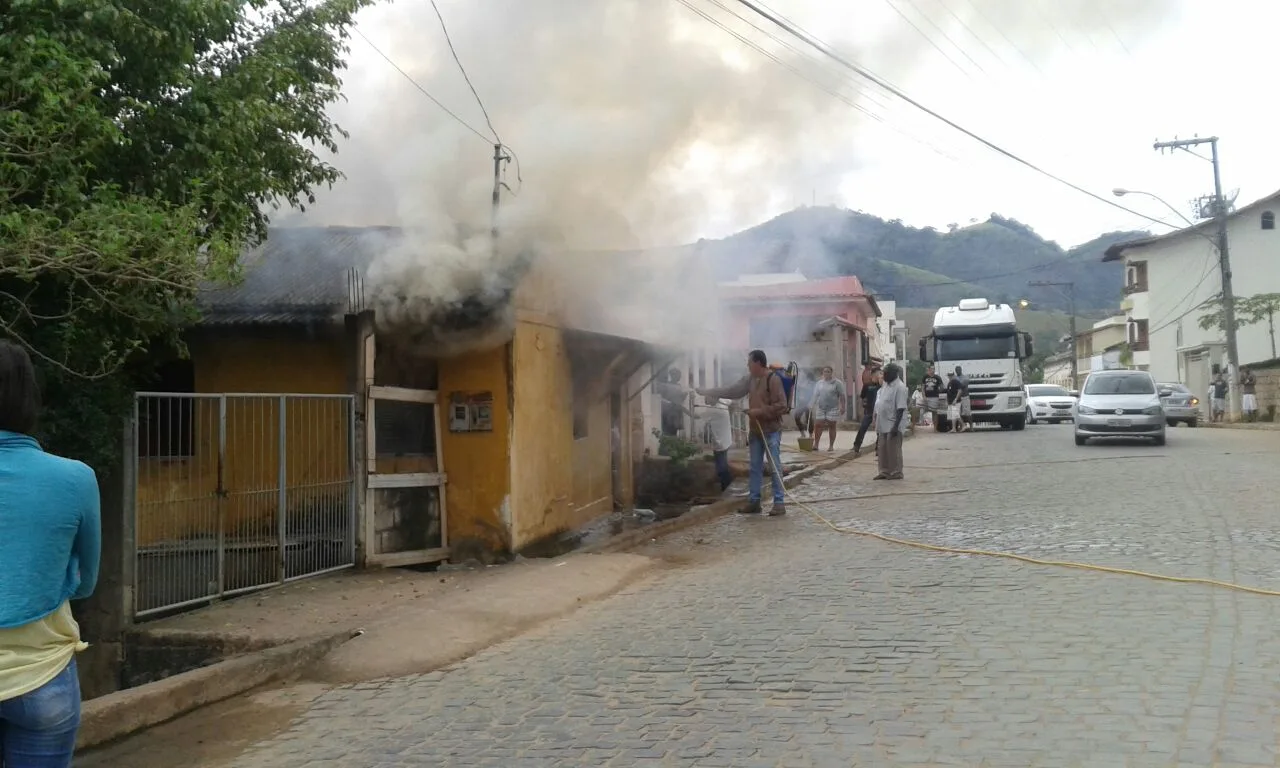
(1268, 375)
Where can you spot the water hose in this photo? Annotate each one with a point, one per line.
(777, 475)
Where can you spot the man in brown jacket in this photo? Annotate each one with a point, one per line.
(766, 403)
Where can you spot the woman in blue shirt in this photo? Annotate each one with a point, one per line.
(50, 543)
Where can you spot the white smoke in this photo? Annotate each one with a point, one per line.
(609, 106)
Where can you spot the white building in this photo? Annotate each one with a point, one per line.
(1057, 370)
(890, 340)
(1169, 278)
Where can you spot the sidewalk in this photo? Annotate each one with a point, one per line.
(1259, 425)
(350, 627)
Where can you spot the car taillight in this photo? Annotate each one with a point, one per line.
(1195, 401)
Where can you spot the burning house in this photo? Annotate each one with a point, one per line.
(332, 414)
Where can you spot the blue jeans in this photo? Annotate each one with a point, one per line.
(722, 469)
(38, 729)
(758, 464)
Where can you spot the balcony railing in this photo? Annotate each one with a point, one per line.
(1141, 345)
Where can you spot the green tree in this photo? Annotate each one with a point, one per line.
(142, 145)
(1213, 317)
(1260, 307)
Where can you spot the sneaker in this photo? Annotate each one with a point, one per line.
(881, 476)
(896, 476)
(778, 510)
(752, 508)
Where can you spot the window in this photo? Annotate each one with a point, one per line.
(166, 424)
(1138, 339)
(1135, 277)
(581, 414)
(980, 348)
(404, 428)
(1120, 384)
(1268, 220)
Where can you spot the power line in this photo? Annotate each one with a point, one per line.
(972, 32)
(802, 75)
(928, 39)
(463, 69)
(424, 91)
(1000, 32)
(1210, 264)
(871, 76)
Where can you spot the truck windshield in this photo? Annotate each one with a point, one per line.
(982, 348)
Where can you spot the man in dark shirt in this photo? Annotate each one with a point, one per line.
(1248, 394)
(956, 392)
(932, 385)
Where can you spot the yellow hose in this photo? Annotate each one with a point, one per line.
(777, 473)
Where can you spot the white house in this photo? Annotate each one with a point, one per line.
(1057, 370)
(890, 340)
(1169, 278)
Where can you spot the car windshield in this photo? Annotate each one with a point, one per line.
(1048, 390)
(1136, 384)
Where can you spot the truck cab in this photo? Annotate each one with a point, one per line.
(983, 340)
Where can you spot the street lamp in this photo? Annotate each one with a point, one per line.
(1023, 303)
(1121, 192)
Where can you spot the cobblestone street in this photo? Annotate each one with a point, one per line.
(777, 642)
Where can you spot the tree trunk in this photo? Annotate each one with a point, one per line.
(1271, 326)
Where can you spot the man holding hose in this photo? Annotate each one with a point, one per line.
(766, 403)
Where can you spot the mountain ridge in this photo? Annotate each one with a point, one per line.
(923, 266)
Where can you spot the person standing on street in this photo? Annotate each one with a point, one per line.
(766, 404)
(870, 385)
(1248, 394)
(50, 546)
(933, 389)
(827, 406)
(716, 416)
(955, 411)
(1219, 400)
(891, 407)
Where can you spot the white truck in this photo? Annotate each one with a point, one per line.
(983, 340)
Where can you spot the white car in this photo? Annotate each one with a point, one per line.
(1049, 402)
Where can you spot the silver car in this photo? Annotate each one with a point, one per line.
(1120, 404)
(1048, 402)
(1180, 405)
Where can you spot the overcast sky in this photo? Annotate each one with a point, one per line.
(698, 122)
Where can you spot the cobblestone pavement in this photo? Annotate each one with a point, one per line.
(776, 642)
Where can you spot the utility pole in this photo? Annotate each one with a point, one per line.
(1071, 300)
(1224, 260)
(499, 157)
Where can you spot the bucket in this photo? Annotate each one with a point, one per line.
(805, 443)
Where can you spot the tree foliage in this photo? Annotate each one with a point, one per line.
(1249, 310)
(142, 146)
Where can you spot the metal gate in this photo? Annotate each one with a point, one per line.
(236, 492)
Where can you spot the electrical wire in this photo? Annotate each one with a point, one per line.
(849, 531)
(972, 33)
(930, 40)
(826, 50)
(802, 75)
(424, 91)
(1000, 32)
(449, 40)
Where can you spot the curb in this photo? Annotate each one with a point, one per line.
(1257, 426)
(634, 538)
(119, 714)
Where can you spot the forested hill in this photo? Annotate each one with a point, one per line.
(925, 267)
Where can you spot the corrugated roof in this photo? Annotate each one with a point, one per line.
(1116, 252)
(299, 275)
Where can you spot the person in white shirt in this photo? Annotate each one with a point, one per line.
(892, 402)
(716, 416)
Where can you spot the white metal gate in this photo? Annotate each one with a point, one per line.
(236, 492)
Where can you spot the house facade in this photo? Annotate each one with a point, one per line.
(303, 435)
(816, 323)
(891, 334)
(1170, 278)
(1102, 347)
(1057, 370)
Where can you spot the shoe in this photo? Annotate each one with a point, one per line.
(752, 508)
(881, 476)
(896, 476)
(778, 510)
(857, 452)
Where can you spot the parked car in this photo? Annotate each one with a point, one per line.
(1180, 405)
(1120, 404)
(1048, 402)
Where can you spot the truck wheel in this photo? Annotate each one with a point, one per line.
(1081, 440)
(1018, 424)
(1031, 419)
(1193, 423)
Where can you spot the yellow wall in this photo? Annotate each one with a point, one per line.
(177, 498)
(477, 463)
(557, 483)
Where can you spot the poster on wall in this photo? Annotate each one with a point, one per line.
(470, 411)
